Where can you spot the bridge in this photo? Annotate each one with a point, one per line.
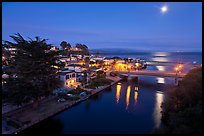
(135, 73)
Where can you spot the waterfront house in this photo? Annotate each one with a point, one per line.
(69, 78)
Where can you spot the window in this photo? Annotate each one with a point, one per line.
(73, 75)
(67, 76)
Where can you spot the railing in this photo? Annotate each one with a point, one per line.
(152, 73)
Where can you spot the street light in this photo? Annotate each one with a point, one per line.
(180, 66)
(176, 79)
(176, 68)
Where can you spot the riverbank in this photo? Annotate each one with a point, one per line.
(45, 110)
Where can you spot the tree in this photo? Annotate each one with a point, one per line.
(65, 45)
(182, 110)
(100, 74)
(65, 48)
(84, 48)
(35, 76)
(6, 55)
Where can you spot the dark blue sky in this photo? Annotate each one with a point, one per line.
(137, 25)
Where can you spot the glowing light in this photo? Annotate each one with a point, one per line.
(118, 90)
(56, 67)
(136, 88)
(137, 64)
(164, 9)
(128, 97)
(180, 66)
(176, 68)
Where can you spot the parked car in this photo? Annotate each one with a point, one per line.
(61, 100)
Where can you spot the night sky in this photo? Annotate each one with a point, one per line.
(137, 25)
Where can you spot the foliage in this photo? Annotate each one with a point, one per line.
(84, 48)
(65, 45)
(36, 76)
(65, 48)
(100, 74)
(6, 54)
(182, 111)
(99, 82)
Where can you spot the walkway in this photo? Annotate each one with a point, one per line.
(30, 116)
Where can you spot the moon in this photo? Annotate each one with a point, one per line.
(164, 9)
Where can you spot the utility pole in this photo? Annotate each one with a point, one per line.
(176, 78)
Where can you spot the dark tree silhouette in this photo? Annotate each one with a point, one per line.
(35, 74)
(182, 110)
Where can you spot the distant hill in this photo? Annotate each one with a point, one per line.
(115, 51)
(119, 51)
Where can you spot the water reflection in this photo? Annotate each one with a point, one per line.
(157, 108)
(118, 90)
(135, 97)
(160, 80)
(161, 68)
(160, 59)
(161, 54)
(128, 96)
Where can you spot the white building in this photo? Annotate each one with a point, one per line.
(68, 78)
(75, 49)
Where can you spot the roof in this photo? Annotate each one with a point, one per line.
(65, 72)
(74, 65)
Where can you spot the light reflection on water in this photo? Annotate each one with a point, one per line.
(128, 96)
(160, 54)
(135, 97)
(118, 90)
(160, 80)
(161, 68)
(157, 109)
(161, 59)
